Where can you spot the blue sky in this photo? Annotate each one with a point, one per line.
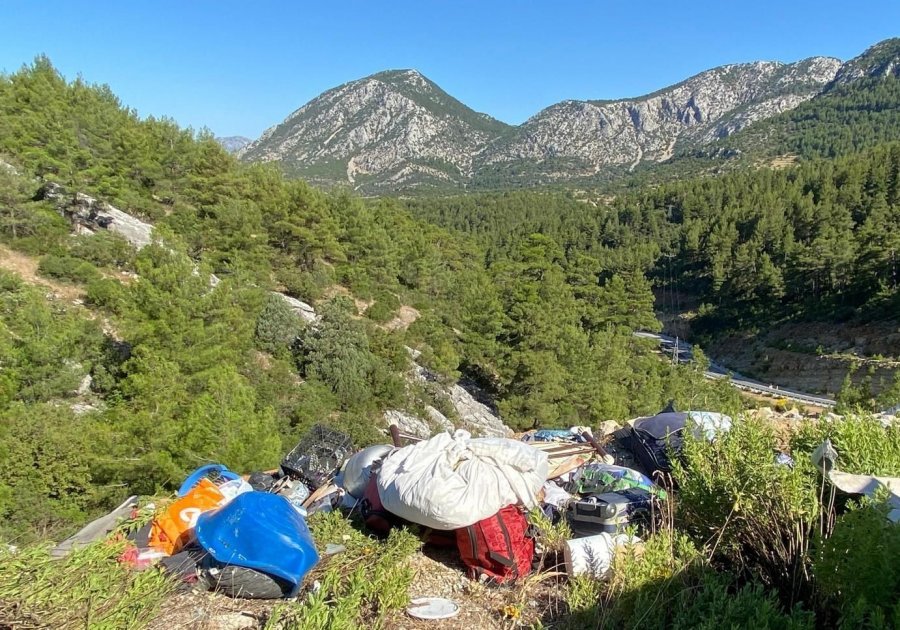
(239, 67)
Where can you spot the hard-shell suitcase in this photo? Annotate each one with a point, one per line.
(611, 512)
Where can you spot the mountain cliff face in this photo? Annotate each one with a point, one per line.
(397, 130)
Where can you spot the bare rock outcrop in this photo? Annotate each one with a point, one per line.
(92, 214)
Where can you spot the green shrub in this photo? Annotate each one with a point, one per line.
(68, 268)
(305, 285)
(864, 445)
(856, 568)
(106, 293)
(277, 326)
(361, 586)
(646, 580)
(755, 514)
(384, 308)
(717, 603)
(100, 592)
(46, 349)
(667, 582)
(104, 249)
(45, 466)
(337, 352)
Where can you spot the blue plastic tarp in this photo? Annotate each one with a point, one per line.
(259, 531)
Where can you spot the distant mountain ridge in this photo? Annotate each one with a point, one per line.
(233, 144)
(398, 131)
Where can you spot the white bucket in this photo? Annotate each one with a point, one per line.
(594, 555)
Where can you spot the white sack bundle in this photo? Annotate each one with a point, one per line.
(451, 482)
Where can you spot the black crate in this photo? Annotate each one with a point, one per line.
(318, 455)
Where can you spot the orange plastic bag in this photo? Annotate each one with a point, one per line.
(174, 528)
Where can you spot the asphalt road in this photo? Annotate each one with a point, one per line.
(684, 353)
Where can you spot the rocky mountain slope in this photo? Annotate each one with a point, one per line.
(880, 61)
(396, 127)
(708, 106)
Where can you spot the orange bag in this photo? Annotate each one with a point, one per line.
(174, 528)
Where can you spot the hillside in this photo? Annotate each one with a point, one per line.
(582, 138)
(859, 109)
(741, 255)
(191, 349)
(163, 306)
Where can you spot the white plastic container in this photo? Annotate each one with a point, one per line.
(594, 555)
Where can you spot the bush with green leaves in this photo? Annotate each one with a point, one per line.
(68, 268)
(103, 249)
(384, 308)
(277, 327)
(337, 352)
(864, 445)
(363, 586)
(99, 591)
(856, 568)
(755, 514)
(46, 348)
(667, 582)
(106, 293)
(46, 457)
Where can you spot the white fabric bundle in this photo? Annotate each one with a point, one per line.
(451, 482)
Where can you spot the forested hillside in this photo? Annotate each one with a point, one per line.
(183, 372)
(820, 239)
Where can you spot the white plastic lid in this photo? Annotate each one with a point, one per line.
(433, 608)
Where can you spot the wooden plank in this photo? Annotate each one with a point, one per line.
(569, 465)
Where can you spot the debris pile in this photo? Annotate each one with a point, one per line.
(246, 536)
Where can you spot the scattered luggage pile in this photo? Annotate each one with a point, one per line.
(246, 536)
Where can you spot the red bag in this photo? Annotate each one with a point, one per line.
(380, 521)
(376, 518)
(497, 546)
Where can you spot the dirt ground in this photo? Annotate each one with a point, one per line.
(26, 268)
(404, 319)
(437, 573)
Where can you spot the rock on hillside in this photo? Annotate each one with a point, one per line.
(396, 126)
(474, 411)
(91, 214)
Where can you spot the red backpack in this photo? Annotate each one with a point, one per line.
(497, 546)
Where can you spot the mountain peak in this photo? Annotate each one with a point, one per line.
(233, 144)
(394, 125)
(405, 74)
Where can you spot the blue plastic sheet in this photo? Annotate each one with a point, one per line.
(260, 531)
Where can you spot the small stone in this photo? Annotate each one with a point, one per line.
(85, 386)
(233, 621)
(607, 427)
